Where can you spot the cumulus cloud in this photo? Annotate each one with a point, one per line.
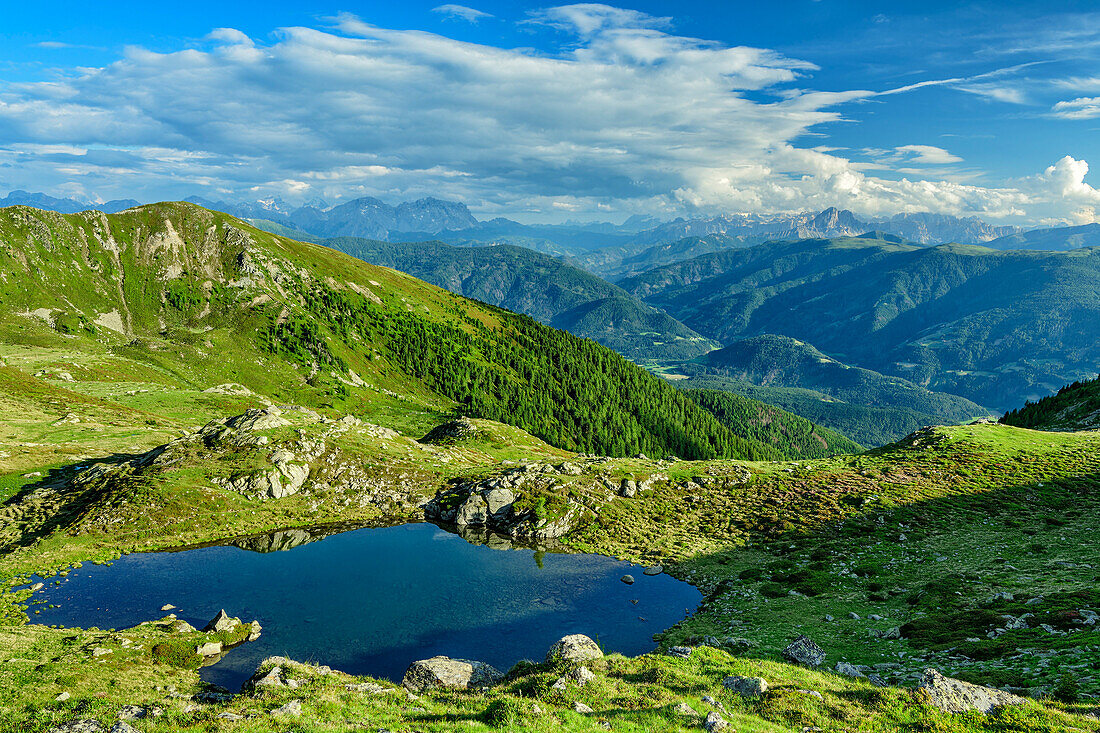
(624, 115)
(461, 12)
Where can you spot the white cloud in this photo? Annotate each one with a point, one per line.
(624, 114)
(1082, 108)
(927, 155)
(470, 15)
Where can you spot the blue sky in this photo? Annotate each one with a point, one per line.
(544, 112)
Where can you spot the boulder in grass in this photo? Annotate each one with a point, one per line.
(804, 651)
(573, 648)
(955, 696)
(746, 686)
(458, 674)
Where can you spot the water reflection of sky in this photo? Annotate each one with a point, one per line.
(370, 601)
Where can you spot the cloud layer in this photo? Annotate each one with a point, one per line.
(625, 116)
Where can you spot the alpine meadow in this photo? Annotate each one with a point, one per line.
(416, 368)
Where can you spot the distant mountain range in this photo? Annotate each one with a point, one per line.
(996, 327)
(867, 406)
(543, 287)
(64, 206)
(1061, 238)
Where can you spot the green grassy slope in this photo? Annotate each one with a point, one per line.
(994, 327)
(543, 287)
(207, 299)
(1075, 407)
(796, 436)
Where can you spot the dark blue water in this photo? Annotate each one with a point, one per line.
(370, 601)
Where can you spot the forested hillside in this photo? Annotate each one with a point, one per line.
(1075, 407)
(994, 327)
(795, 436)
(543, 287)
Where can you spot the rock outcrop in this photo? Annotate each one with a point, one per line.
(458, 674)
(955, 696)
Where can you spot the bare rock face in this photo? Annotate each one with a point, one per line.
(573, 648)
(458, 674)
(955, 696)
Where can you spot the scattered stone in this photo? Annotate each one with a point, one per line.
(714, 722)
(579, 677)
(628, 488)
(849, 670)
(167, 607)
(876, 680)
(956, 696)
(79, 726)
(367, 687)
(828, 617)
(682, 708)
(804, 651)
(292, 709)
(573, 648)
(680, 651)
(853, 615)
(812, 693)
(123, 728)
(132, 712)
(892, 633)
(746, 686)
(62, 697)
(209, 649)
(628, 579)
(101, 651)
(446, 672)
(580, 707)
(230, 716)
(265, 680)
(654, 570)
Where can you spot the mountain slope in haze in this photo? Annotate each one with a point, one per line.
(1057, 239)
(1075, 407)
(64, 206)
(795, 436)
(211, 300)
(543, 287)
(781, 361)
(994, 327)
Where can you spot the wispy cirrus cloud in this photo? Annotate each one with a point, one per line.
(1082, 108)
(462, 12)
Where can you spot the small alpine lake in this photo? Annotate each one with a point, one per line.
(370, 601)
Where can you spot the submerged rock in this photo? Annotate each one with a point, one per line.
(573, 648)
(628, 579)
(955, 696)
(446, 672)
